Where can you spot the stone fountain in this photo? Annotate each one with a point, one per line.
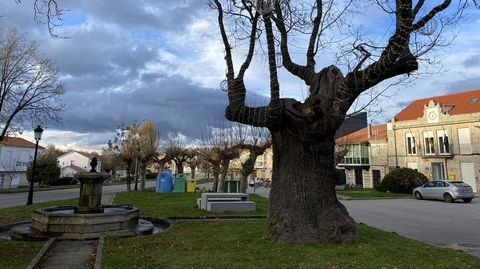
(88, 220)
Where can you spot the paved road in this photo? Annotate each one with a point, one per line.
(455, 225)
(14, 199)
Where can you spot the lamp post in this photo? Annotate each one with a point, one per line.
(38, 135)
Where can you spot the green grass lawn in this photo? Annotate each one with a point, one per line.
(164, 205)
(24, 212)
(17, 254)
(241, 244)
(370, 193)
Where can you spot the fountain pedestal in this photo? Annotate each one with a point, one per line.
(90, 192)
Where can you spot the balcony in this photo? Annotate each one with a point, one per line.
(447, 154)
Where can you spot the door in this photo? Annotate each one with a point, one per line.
(358, 177)
(437, 171)
(468, 175)
(377, 177)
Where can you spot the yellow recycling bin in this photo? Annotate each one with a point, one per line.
(191, 185)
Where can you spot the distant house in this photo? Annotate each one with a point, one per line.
(74, 162)
(69, 171)
(15, 154)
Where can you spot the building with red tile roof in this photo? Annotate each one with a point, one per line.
(439, 136)
(15, 155)
(365, 160)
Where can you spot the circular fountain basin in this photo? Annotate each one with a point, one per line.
(63, 222)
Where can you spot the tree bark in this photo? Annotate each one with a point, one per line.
(215, 182)
(223, 175)
(247, 169)
(303, 203)
(192, 170)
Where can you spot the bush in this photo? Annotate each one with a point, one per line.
(402, 180)
(64, 181)
(151, 175)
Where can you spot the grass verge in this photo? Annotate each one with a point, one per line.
(17, 254)
(241, 244)
(24, 212)
(166, 205)
(370, 193)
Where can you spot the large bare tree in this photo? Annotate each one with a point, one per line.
(29, 88)
(303, 204)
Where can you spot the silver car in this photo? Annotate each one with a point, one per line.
(444, 190)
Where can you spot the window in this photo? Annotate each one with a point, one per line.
(443, 143)
(429, 184)
(464, 141)
(411, 148)
(429, 143)
(357, 154)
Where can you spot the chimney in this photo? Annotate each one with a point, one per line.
(369, 131)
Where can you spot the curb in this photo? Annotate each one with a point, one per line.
(98, 257)
(41, 253)
(6, 227)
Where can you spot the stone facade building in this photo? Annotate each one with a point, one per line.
(365, 160)
(438, 136)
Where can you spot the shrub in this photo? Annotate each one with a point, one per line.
(64, 181)
(402, 180)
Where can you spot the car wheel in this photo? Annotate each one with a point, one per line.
(448, 198)
(467, 200)
(418, 195)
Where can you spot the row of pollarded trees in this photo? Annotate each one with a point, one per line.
(216, 151)
(137, 146)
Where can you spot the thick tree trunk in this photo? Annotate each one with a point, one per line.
(223, 175)
(247, 169)
(303, 203)
(215, 182)
(179, 168)
(192, 170)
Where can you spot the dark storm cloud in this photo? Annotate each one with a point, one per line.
(172, 103)
(160, 14)
(472, 61)
(463, 85)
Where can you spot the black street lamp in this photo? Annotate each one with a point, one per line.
(38, 135)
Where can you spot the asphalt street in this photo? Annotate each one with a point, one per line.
(15, 199)
(455, 225)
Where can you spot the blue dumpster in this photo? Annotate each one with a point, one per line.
(164, 182)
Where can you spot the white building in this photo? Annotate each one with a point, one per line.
(15, 154)
(74, 162)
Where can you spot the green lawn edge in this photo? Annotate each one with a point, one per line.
(241, 243)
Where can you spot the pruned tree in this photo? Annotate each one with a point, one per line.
(193, 161)
(221, 146)
(255, 141)
(303, 205)
(147, 136)
(29, 87)
(176, 149)
(125, 147)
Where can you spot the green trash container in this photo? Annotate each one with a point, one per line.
(232, 186)
(180, 183)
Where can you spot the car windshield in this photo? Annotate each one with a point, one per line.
(459, 184)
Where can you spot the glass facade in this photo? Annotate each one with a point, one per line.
(357, 154)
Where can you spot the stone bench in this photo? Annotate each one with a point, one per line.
(218, 202)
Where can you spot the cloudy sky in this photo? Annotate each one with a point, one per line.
(162, 60)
